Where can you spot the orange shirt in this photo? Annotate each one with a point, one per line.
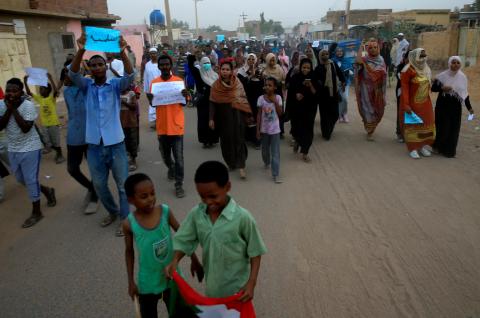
(170, 118)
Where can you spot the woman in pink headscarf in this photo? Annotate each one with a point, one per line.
(284, 61)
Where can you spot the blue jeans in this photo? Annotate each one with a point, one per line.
(271, 149)
(169, 145)
(101, 159)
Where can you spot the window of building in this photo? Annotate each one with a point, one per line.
(68, 41)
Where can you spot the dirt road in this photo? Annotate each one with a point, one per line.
(362, 231)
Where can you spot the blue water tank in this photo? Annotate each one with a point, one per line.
(157, 18)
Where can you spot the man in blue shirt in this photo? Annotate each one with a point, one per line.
(104, 133)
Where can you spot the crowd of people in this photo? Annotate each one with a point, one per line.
(243, 96)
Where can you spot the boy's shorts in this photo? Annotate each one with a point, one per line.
(50, 136)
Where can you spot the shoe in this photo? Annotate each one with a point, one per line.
(59, 159)
(400, 139)
(119, 231)
(32, 220)
(243, 174)
(414, 155)
(51, 199)
(306, 158)
(132, 165)
(109, 219)
(46, 150)
(171, 174)
(296, 146)
(345, 119)
(91, 208)
(292, 142)
(370, 137)
(277, 180)
(179, 192)
(425, 152)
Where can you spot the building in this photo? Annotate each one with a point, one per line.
(357, 17)
(42, 32)
(424, 16)
(137, 36)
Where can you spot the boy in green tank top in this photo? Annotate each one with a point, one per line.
(149, 226)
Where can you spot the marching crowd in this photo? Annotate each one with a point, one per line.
(243, 94)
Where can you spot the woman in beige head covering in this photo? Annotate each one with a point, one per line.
(416, 112)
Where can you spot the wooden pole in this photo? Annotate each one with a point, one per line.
(169, 23)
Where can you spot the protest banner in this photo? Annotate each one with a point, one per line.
(103, 40)
(167, 93)
(37, 76)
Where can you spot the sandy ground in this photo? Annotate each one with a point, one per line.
(362, 231)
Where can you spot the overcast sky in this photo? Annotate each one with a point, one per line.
(226, 13)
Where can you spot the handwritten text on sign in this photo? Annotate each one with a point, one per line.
(167, 93)
(103, 40)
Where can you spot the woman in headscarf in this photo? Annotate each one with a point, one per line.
(346, 68)
(415, 99)
(272, 69)
(310, 53)
(328, 96)
(371, 87)
(452, 86)
(393, 51)
(284, 61)
(229, 112)
(303, 88)
(252, 82)
(204, 78)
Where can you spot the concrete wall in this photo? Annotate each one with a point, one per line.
(428, 18)
(37, 37)
(62, 6)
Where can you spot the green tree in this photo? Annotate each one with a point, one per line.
(270, 26)
(214, 28)
(177, 24)
(476, 5)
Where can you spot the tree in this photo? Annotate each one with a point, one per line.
(476, 5)
(270, 26)
(214, 28)
(177, 24)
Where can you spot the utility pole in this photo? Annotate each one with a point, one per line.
(196, 17)
(169, 23)
(244, 18)
(347, 17)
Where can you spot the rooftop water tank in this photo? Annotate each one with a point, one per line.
(157, 18)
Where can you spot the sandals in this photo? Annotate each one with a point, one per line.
(306, 158)
(32, 220)
(119, 231)
(109, 219)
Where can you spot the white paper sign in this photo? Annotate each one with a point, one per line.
(470, 117)
(167, 93)
(37, 76)
(217, 311)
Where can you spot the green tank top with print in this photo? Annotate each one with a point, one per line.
(155, 252)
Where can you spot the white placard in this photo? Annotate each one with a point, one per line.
(37, 76)
(470, 117)
(167, 93)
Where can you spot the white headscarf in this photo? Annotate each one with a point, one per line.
(244, 69)
(456, 80)
(419, 64)
(209, 77)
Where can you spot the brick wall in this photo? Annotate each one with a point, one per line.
(74, 6)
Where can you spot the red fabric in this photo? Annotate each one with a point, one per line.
(193, 298)
(2, 96)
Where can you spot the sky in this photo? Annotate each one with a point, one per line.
(226, 13)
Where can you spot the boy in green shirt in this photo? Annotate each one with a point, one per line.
(228, 234)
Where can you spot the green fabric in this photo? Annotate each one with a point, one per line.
(155, 252)
(227, 246)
